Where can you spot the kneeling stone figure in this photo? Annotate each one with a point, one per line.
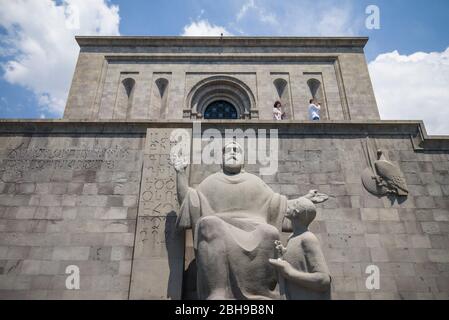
(303, 273)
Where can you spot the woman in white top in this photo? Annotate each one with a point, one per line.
(277, 111)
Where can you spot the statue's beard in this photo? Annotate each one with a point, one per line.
(232, 167)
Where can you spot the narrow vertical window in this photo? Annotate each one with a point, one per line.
(129, 84)
(162, 85)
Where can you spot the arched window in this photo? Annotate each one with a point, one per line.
(314, 86)
(129, 84)
(280, 85)
(162, 85)
(227, 90)
(220, 110)
(125, 97)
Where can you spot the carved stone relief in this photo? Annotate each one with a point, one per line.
(158, 262)
(382, 177)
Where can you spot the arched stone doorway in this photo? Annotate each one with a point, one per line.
(234, 97)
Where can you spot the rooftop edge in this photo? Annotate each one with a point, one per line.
(163, 41)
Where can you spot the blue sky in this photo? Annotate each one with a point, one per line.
(406, 25)
(405, 55)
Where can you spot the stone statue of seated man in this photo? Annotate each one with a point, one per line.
(301, 265)
(235, 218)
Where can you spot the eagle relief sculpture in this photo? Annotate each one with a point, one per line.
(383, 177)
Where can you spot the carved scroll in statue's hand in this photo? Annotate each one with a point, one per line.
(280, 249)
(179, 163)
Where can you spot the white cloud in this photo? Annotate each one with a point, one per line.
(244, 9)
(204, 28)
(259, 11)
(283, 18)
(413, 87)
(298, 18)
(41, 37)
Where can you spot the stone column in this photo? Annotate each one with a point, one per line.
(158, 261)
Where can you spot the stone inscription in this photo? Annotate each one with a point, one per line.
(158, 261)
(156, 235)
(158, 194)
(22, 159)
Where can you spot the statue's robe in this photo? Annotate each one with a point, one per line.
(247, 217)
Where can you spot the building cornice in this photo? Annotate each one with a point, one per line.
(415, 130)
(158, 41)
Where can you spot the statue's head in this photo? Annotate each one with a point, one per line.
(302, 211)
(233, 158)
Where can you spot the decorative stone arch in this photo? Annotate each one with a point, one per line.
(129, 84)
(280, 85)
(162, 93)
(221, 88)
(314, 87)
(124, 100)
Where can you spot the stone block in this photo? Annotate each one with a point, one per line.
(430, 227)
(100, 253)
(15, 253)
(119, 239)
(25, 188)
(69, 213)
(25, 212)
(372, 240)
(121, 253)
(379, 254)
(92, 201)
(345, 227)
(420, 241)
(125, 267)
(71, 253)
(111, 213)
(438, 255)
(425, 202)
(41, 283)
(31, 267)
(87, 239)
(439, 241)
(90, 189)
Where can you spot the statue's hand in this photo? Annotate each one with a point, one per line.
(180, 164)
(282, 266)
(280, 248)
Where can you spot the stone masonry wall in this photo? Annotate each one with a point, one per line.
(68, 200)
(72, 199)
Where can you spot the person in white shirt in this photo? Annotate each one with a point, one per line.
(277, 111)
(314, 110)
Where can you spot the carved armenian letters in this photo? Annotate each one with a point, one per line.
(159, 249)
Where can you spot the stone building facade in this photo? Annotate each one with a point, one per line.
(95, 189)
